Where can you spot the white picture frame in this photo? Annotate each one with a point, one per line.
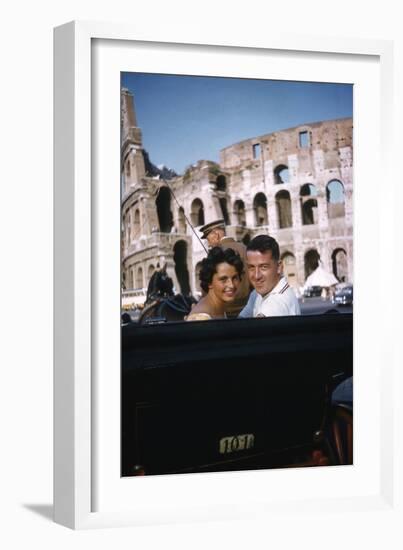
(86, 492)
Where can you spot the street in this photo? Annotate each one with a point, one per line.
(317, 306)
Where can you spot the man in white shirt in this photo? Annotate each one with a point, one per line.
(274, 295)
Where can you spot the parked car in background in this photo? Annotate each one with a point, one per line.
(343, 295)
(312, 291)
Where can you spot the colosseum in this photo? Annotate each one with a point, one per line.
(295, 184)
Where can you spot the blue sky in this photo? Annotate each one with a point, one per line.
(188, 118)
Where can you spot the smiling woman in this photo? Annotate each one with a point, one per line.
(220, 276)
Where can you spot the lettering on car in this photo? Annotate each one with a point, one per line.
(235, 443)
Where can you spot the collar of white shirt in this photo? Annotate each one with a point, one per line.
(280, 287)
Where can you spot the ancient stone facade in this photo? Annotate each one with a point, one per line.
(295, 184)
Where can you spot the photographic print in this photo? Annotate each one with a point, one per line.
(236, 274)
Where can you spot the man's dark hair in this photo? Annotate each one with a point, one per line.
(218, 256)
(264, 243)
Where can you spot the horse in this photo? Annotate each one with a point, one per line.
(165, 310)
(159, 286)
(161, 304)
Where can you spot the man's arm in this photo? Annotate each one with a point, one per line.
(248, 309)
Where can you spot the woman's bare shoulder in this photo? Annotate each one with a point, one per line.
(198, 317)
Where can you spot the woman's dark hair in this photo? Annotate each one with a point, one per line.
(218, 256)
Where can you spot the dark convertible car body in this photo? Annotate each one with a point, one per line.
(231, 395)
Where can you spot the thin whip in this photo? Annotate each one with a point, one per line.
(186, 218)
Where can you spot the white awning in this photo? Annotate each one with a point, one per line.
(320, 277)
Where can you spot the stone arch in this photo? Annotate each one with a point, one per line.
(281, 174)
(129, 278)
(239, 212)
(335, 199)
(256, 150)
(139, 278)
(309, 204)
(136, 224)
(163, 203)
(221, 183)
(221, 188)
(311, 261)
(340, 264)
(308, 190)
(283, 204)
(127, 228)
(150, 271)
(260, 209)
(181, 267)
(224, 210)
(197, 212)
(290, 267)
(181, 220)
(246, 239)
